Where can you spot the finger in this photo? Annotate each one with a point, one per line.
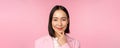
(62, 33)
(59, 33)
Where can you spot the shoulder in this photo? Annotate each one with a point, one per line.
(42, 42)
(44, 38)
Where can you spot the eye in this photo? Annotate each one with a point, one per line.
(64, 19)
(54, 19)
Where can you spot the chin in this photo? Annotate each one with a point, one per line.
(60, 31)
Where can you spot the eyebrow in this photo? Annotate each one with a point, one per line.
(57, 17)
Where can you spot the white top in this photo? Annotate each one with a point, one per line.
(55, 43)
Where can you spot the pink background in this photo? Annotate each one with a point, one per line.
(95, 23)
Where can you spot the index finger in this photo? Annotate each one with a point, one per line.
(60, 34)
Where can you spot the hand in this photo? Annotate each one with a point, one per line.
(61, 38)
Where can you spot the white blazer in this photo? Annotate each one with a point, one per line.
(47, 42)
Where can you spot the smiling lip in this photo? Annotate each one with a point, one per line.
(59, 28)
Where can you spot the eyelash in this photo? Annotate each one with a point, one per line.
(55, 19)
(62, 19)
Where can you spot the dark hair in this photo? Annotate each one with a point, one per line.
(50, 29)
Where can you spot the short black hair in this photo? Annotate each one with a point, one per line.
(50, 29)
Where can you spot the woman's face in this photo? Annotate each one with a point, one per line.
(59, 21)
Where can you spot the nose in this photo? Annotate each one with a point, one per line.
(60, 23)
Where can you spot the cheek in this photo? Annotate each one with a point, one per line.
(53, 23)
(65, 23)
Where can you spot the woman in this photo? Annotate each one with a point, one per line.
(58, 28)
